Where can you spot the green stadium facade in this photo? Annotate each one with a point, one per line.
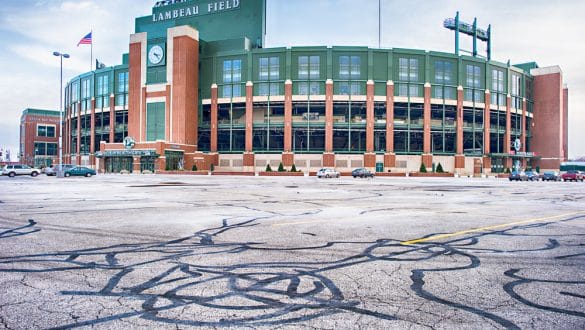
(198, 88)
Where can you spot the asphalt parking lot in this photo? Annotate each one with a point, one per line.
(155, 251)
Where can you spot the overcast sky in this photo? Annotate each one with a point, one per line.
(547, 32)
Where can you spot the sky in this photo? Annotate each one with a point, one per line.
(546, 32)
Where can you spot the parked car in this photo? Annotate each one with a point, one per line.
(79, 171)
(53, 169)
(532, 175)
(551, 176)
(518, 176)
(327, 173)
(20, 169)
(362, 173)
(572, 176)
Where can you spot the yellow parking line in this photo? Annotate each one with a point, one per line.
(475, 230)
(296, 223)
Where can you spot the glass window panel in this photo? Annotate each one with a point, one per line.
(314, 88)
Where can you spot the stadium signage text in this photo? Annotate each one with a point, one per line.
(211, 8)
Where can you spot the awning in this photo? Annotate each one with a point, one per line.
(126, 153)
(518, 155)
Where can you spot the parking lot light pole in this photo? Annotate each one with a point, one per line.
(61, 117)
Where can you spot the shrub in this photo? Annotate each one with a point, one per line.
(211, 167)
(440, 168)
(268, 168)
(194, 168)
(507, 170)
(293, 168)
(423, 168)
(281, 168)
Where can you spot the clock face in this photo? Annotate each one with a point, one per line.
(156, 54)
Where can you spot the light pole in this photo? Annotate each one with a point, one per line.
(60, 167)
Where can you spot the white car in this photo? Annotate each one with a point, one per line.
(20, 169)
(327, 173)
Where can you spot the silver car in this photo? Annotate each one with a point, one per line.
(20, 169)
(53, 169)
(327, 173)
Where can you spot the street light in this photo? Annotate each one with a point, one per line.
(60, 168)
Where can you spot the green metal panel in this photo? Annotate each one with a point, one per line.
(40, 112)
(215, 20)
(155, 121)
(379, 63)
(288, 73)
(370, 65)
(206, 77)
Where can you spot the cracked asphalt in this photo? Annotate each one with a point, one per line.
(156, 251)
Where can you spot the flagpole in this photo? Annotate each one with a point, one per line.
(379, 22)
(91, 52)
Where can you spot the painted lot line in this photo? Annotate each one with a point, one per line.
(475, 230)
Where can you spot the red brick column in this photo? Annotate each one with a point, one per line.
(523, 131)
(65, 137)
(142, 122)
(185, 84)
(459, 157)
(390, 156)
(92, 132)
(78, 149)
(135, 91)
(487, 161)
(370, 156)
(112, 117)
(328, 155)
(287, 154)
(213, 124)
(249, 154)
(508, 135)
(427, 157)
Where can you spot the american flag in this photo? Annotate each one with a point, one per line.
(85, 40)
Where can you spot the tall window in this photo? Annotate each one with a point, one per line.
(516, 99)
(102, 97)
(443, 76)
(408, 77)
(269, 74)
(46, 130)
(498, 93)
(122, 89)
(309, 70)
(349, 69)
(85, 94)
(473, 83)
(232, 77)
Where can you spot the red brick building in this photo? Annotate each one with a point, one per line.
(39, 137)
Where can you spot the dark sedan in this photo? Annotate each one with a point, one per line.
(532, 175)
(518, 176)
(79, 171)
(362, 173)
(551, 176)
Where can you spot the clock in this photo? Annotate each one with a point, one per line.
(156, 55)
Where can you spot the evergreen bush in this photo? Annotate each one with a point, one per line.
(194, 168)
(440, 168)
(281, 168)
(268, 168)
(293, 168)
(423, 168)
